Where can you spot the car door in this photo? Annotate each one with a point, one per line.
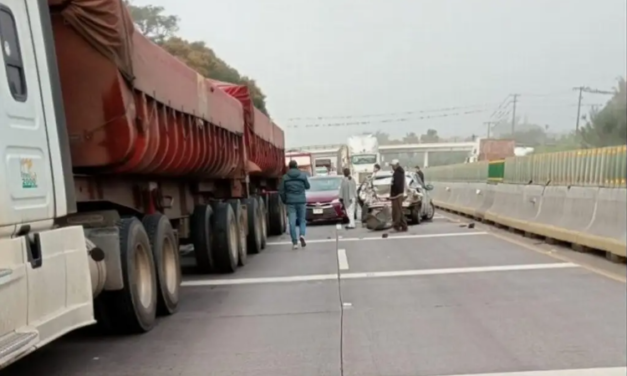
(27, 193)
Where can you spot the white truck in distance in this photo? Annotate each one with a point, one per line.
(364, 154)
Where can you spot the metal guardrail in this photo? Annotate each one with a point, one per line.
(603, 167)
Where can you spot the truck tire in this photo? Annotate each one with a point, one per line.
(242, 247)
(201, 233)
(264, 222)
(134, 308)
(254, 225)
(225, 238)
(165, 251)
(276, 223)
(430, 212)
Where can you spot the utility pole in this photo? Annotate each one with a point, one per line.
(580, 88)
(586, 89)
(489, 125)
(514, 101)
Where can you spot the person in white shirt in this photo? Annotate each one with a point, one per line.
(376, 169)
(348, 197)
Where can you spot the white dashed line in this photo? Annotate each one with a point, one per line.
(342, 259)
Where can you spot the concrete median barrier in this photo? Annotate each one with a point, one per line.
(593, 217)
(607, 229)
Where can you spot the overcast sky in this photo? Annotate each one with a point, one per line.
(324, 58)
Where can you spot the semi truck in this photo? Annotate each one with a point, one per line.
(333, 158)
(114, 154)
(364, 154)
(303, 160)
(487, 149)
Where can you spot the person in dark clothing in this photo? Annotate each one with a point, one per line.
(421, 174)
(397, 196)
(292, 191)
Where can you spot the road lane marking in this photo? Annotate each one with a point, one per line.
(478, 269)
(401, 273)
(342, 259)
(393, 237)
(618, 371)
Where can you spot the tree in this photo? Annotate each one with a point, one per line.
(430, 137)
(411, 138)
(152, 22)
(161, 29)
(608, 127)
(382, 137)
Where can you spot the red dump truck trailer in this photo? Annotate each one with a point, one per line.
(124, 153)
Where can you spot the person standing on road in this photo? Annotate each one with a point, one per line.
(397, 195)
(376, 169)
(292, 191)
(348, 197)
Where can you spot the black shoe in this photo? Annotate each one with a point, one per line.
(303, 243)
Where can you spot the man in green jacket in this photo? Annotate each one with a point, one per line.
(292, 191)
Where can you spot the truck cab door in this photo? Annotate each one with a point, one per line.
(52, 261)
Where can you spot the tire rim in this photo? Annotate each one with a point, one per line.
(233, 240)
(143, 276)
(170, 266)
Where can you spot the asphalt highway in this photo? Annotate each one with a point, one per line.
(442, 299)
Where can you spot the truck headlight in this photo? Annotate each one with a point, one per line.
(335, 201)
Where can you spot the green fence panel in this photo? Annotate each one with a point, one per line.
(605, 167)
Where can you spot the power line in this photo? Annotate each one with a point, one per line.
(389, 114)
(384, 121)
(500, 106)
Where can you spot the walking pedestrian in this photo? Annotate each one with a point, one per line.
(292, 191)
(397, 196)
(348, 197)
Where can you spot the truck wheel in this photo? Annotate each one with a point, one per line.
(430, 209)
(225, 237)
(264, 222)
(254, 225)
(201, 238)
(276, 222)
(134, 308)
(242, 252)
(167, 262)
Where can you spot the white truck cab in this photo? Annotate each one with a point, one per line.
(45, 283)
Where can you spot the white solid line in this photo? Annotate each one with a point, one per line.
(250, 281)
(618, 371)
(402, 273)
(342, 259)
(421, 236)
(478, 269)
